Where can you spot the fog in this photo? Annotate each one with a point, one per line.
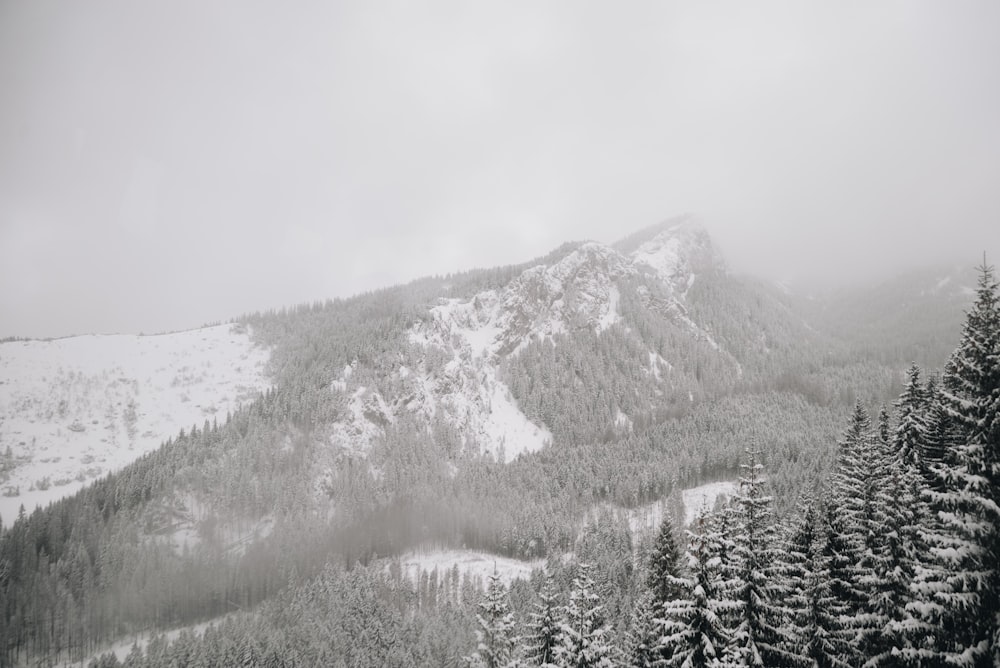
(163, 165)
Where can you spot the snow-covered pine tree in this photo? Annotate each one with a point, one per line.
(958, 590)
(644, 647)
(661, 587)
(496, 632)
(664, 564)
(720, 531)
(942, 435)
(888, 558)
(543, 627)
(855, 530)
(816, 624)
(838, 559)
(759, 638)
(911, 427)
(582, 641)
(694, 635)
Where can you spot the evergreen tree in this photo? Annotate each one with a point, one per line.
(664, 565)
(644, 647)
(957, 589)
(582, 641)
(911, 427)
(892, 557)
(495, 635)
(694, 635)
(855, 533)
(837, 557)
(661, 588)
(543, 627)
(816, 626)
(759, 638)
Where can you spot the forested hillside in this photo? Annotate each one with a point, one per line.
(518, 411)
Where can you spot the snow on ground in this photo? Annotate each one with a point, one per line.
(122, 647)
(542, 302)
(677, 254)
(479, 565)
(73, 409)
(663, 254)
(703, 497)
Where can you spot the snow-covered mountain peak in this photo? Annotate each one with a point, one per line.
(452, 371)
(577, 292)
(679, 253)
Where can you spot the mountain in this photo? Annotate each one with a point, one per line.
(73, 409)
(911, 317)
(509, 411)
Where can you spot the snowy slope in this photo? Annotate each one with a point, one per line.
(678, 254)
(477, 565)
(704, 497)
(122, 647)
(452, 371)
(73, 409)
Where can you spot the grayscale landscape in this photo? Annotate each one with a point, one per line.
(498, 335)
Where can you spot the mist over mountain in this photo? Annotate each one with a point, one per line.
(558, 411)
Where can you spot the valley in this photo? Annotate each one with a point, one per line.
(396, 450)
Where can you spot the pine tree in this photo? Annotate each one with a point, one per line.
(543, 627)
(495, 634)
(854, 530)
(816, 626)
(759, 638)
(644, 647)
(661, 588)
(957, 589)
(694, 635)
(664, 564)
(888, 558)
(582, 641)
(911, 427)
(837, 557)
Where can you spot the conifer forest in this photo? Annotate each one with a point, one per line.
(472, 334)
(862, 529)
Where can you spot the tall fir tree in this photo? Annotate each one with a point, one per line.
(661, 587)
(644, 647)
(839, 561)
(543, 627)
(582, 641)
(911, 425)
(496, 632)
(888, 557)
(694, 634)
(854, 531)
(759, 637)
(664, 564)
(957, 589)
(816, 625)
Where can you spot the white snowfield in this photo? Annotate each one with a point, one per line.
(73, 409)
(478, 565)
(703, 497)
(122, 647)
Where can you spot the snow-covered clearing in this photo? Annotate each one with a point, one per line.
(122, 647)
(478, 565)
(73, 409)
(703, 497)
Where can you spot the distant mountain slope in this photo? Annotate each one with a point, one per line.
(73, 409)
(663, 323)
(912, 317)
(488, 410)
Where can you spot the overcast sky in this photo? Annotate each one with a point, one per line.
(165, 164)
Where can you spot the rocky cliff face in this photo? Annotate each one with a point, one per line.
(451, 373)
